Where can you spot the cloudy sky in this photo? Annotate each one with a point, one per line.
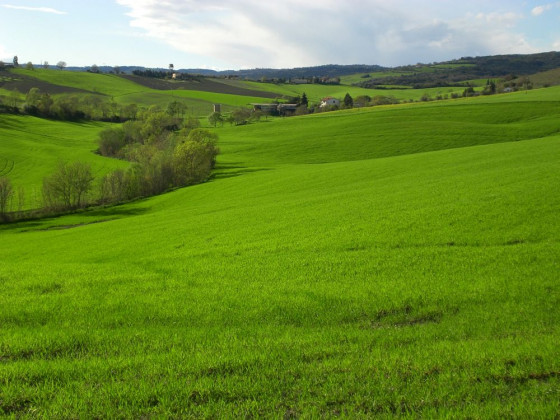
(234, 34)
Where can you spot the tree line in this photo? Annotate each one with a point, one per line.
(68, 107)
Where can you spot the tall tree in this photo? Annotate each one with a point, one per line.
(304, 101)
(215, 117)
(61, 65)
(15, 61)
(6, 192)
(348, 101)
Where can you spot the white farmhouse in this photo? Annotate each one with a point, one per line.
(329, 101)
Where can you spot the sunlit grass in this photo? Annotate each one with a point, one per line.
(399, 261)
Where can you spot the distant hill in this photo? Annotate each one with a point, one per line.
(447, 73)
(456, 72)
(330, 70)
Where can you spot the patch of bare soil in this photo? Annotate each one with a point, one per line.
(23, 83)
(201, 84)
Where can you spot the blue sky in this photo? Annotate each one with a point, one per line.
(236, 34)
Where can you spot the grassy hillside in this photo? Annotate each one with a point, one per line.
(546, 78)
(393, 130)
(31, 148)
(124, 91)
(316, 92)
(357, 264)
(106, 84)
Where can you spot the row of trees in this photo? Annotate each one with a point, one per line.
(75, 107)
(29, 65)
(69, 107)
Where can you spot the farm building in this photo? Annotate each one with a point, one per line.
(329, 101)
(276, 109)
(287, 109)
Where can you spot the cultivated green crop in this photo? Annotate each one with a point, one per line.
(394, 261)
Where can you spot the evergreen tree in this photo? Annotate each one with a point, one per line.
(348, 101)
(303, 100)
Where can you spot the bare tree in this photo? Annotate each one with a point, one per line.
(6, 193)
(61, 65)
(67, 187)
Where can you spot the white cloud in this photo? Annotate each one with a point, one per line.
(34, 9)
(539, 10)
(256, 33)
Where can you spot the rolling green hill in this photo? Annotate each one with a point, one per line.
(394, 261)
(31, 148)
(125, 91)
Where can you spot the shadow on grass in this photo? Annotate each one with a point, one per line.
(233, 169)
(123, 210)
(90, 216)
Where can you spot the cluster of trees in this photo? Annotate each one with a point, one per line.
(239, 116)
(164, 74)
(166, 151)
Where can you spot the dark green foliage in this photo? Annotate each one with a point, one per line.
(348, 101)
(456, 72)
(111, 141)
(468, 92)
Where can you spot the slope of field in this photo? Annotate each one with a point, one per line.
(201, 84)
(419, 285)
(393, 130)
(30, 149)
(106, 84)
(316, 92)
(22, 82)
(124, 91)
(546, 78)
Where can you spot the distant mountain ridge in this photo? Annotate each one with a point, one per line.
(496, 65)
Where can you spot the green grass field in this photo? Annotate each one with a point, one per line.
(31, 148)
(393, 261)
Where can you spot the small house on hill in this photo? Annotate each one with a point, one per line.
(329, 101)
